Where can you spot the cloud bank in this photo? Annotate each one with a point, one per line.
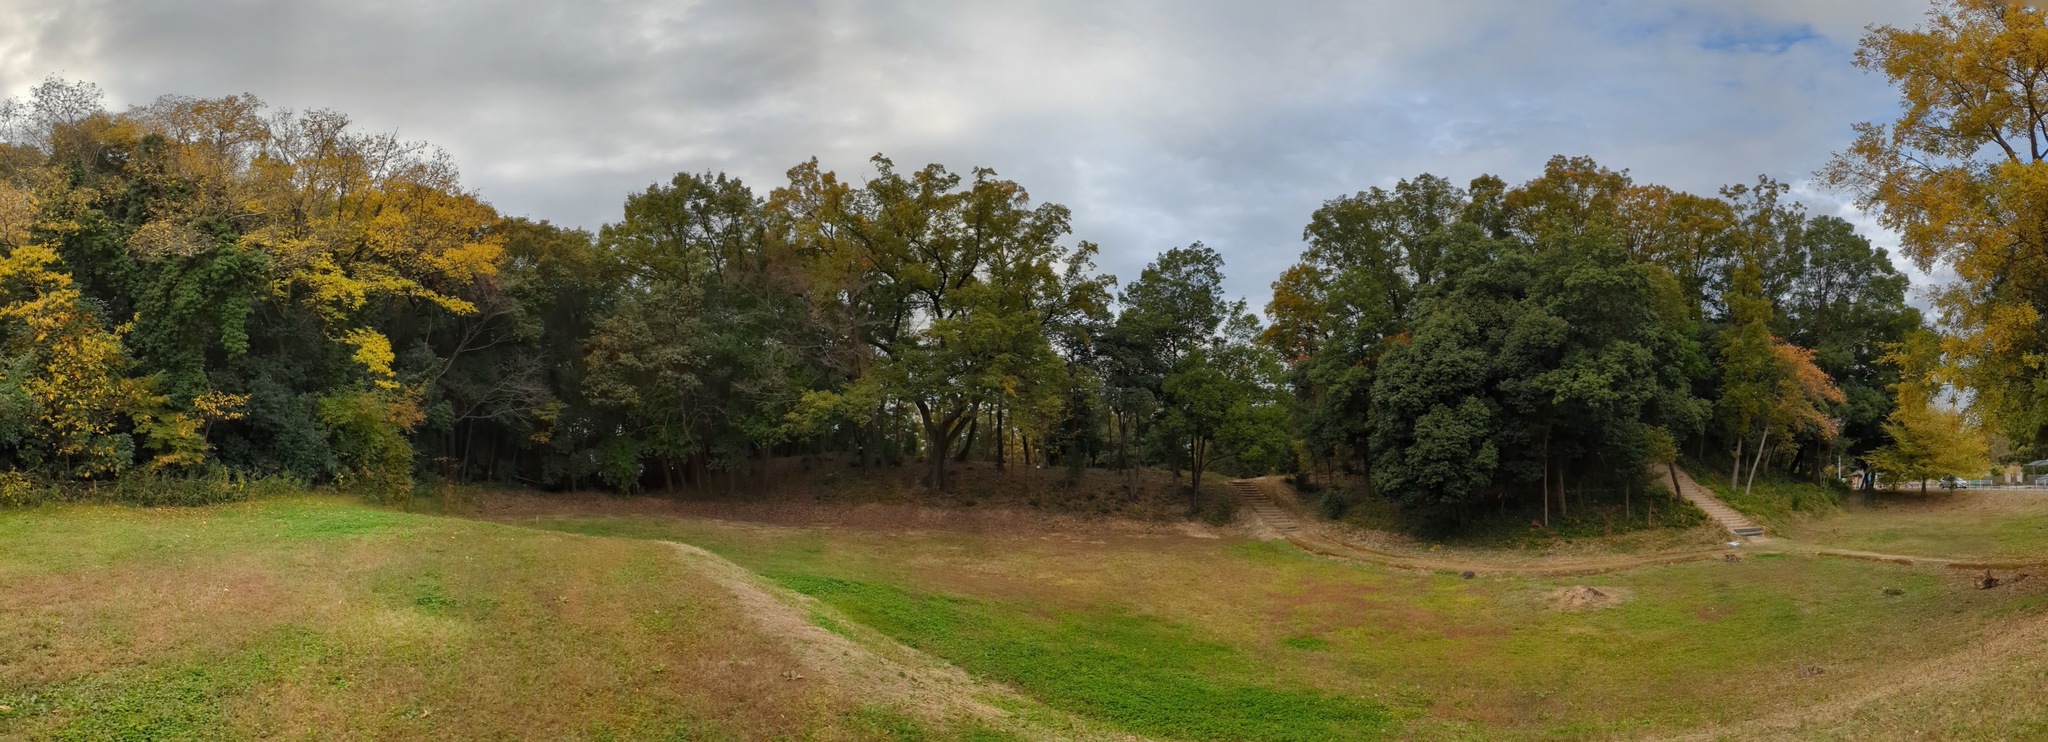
(1160, 123)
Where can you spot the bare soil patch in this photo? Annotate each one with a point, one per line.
(1586, 598)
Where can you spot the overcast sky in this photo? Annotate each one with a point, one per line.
(1160, 122)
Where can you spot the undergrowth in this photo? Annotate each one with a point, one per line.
(148, 489)
(1516, 527)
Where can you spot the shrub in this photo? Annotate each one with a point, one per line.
(368, 430)
(213, 486)
(18, 490)
(148, 488)
(1219, 506)
(1333, 503)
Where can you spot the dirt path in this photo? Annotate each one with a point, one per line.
(879, 667)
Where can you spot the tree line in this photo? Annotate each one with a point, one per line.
(204, 285)
(1487, 344)
(201, 284)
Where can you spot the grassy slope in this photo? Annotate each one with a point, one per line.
(312, 617)
(1993, 524)
(1234, 640)
(2002, 524)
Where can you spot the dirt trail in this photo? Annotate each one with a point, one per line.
(878, 667)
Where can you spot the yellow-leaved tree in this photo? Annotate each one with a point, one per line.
(1929, 439)
(65, 392)
(1962, 175)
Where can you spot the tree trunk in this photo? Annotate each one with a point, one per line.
(1002, 445)
(1564, 503)
(973, 430)
(1735, 470)
(468, 451)
(1762, 443)
(1546, 479)
(1123, 441)
(1195, 480)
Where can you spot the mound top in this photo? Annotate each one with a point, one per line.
(1583, 598)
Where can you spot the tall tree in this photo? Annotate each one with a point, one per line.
(1962, 175)
(950, 284)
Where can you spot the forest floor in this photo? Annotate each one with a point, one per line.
(600, 618)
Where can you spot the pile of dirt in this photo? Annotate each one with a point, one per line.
(1583, 598)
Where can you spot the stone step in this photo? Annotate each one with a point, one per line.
(1265, 508)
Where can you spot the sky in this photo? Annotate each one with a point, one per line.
(1158, 122)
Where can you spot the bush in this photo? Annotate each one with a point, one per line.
(1333, 504)
(368, 430)
(1303, 483)
(214, 486)
(1219, 506)
(20, 490)
(148, 489)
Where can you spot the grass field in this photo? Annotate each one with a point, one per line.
(1182, 637)
(2001, 524)
(320, 617)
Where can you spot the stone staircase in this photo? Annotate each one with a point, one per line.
(1704, 498)
(1256, 500)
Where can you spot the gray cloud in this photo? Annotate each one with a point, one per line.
(1159, 122)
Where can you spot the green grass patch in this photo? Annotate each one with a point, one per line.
(186, 700)
(1138, 672)
(1307, 643)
